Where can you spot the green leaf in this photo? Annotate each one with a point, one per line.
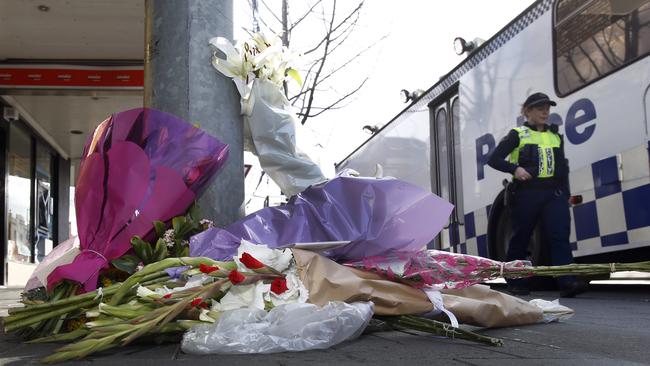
(160, 228)
(295, 75)
(185, 252)
(194, 212)
(160, 252)
(142, 249)
(182, 227)
(177, 222)
(126, 263)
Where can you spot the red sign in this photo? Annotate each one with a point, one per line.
(63, 78)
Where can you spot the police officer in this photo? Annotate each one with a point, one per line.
(540, 172)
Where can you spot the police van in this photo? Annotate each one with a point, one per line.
(591, 56)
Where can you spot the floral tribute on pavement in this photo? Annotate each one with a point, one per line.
(147, 267)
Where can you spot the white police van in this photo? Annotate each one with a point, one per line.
(591, 56)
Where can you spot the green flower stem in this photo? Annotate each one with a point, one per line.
(47, 315)
(156, 267)
(103, 322)
(74, 351)
(124, 312)
(156, 321)
(48, 308)
(444, 329)
(63, 337)
(589, 269)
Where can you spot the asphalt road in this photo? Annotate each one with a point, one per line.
(611, 327)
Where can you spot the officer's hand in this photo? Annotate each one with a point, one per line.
(522, 174)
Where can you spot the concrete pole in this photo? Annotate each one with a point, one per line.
(180, 79)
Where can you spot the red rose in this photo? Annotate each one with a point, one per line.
(207, 269)
(236, 277)
(167, 296)
(196, 302)
(279, 285)
(250, 262)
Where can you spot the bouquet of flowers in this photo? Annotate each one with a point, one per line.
(139, 166)
(259, 67)
(376, 217)
(445, 270)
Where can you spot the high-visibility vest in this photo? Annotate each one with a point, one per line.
(545, 141)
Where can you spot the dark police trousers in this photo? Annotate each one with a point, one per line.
(552, 206)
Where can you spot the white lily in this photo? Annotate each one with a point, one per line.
(278, 259)
(247, 296)
(296, 292)
(261, 57)
(236, 66)
(208, 316)
(145, 292)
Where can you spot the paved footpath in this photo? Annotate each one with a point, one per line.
(611, 327)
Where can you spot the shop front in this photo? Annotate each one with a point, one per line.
(30, 200)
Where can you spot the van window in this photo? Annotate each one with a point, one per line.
(597, 37)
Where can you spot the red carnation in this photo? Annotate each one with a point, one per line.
(196, 302)
(279, 285)
(207, 269)
(250, 262)
(167, 296)
(236, 277)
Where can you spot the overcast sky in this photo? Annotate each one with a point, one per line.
(417, 51)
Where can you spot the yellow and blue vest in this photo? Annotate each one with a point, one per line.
(546, 141)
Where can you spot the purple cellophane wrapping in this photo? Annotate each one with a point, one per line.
(139, 166)
(378, 216)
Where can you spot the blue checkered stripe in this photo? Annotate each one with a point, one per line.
(615, 209)
(471, 237)
(486, 50)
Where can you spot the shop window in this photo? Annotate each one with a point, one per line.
(595, 38)
(44, 205)
(19, 180)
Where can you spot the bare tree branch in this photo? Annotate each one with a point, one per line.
(271, 11)
(304, 16)
(320, 68)
(353, 58)
(333, 29)
(333, 105)
(318, 73)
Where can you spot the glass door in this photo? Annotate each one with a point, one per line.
(445, 159)
(18, 193)
(3, 195)
(44, 205)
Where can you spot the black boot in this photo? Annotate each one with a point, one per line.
(573, 288)
(518, 290)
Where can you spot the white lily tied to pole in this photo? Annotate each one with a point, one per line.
(258, 67)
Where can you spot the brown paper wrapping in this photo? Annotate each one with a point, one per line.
(327, 280)
(477, 305)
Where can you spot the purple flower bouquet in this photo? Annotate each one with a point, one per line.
(138, 166)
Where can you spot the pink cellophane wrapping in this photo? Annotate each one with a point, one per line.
(441, 270)
(138, 166)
